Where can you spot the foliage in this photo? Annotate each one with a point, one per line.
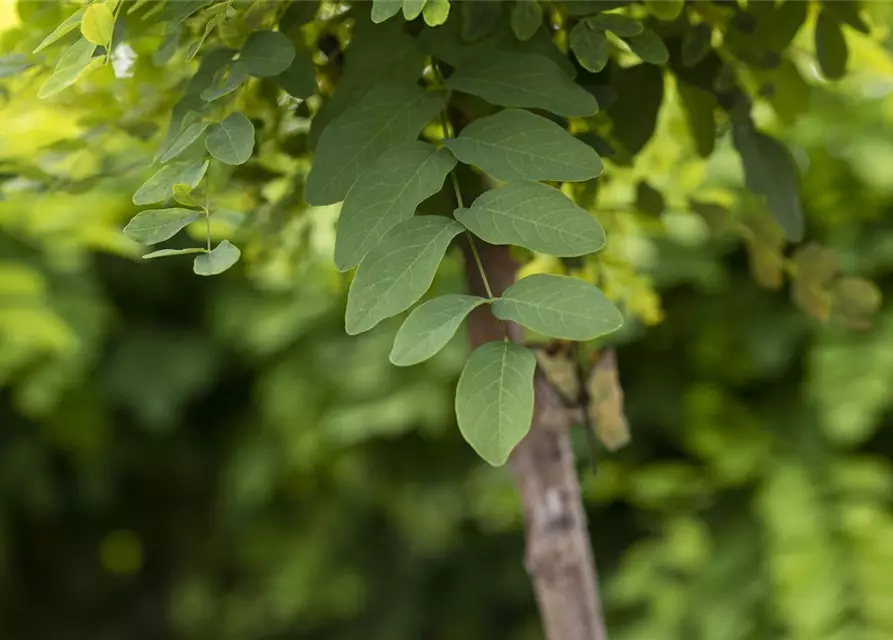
(238, 389)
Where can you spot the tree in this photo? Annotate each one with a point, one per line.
(430, 116)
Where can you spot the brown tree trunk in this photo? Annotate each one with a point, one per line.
(558, 557)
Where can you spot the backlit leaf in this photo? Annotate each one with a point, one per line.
(830, 46)
(267, 53)
(665, 9)
(158, 225)
(389, 115)
(386, 193)
(232, 140)
(436, 12)
(494, 399)
(160, 185)
(527, 18)
(70, 24)
(769, 170)
(430, 327)
(221, 258)
(649, 47)
(590, 45)
(559, 307)
(517, 145)
(523, 80)
(384, 9)
(398, 270)
(534, 216)
(70, 66)
(183, 141)
(98, 23)
(412, 9)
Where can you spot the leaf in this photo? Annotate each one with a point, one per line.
(70, 66)
(385, 194)
(847, 12)
(590, 45)
(389, 115)
(98, 23)
(164, 253)
(854, 302)
(527, 18)
(183, 194)
(616, 23)
(523, 80)
(494, 399)
(235, 78)
(412, 9)
(533, 216)
(696, 44)
(157, 225)
(13, 64)
(605, 408)
(769, 170)
(518, 145)
(640, 91)
(384, 9)
(559, 307)
(221, 258)
(398, 270)
(430, 327)
(649, 47)
(70, 24)
(665, 9)
(830, 46)
(700, 115)
(479, 18)
(649, 200)
(267, 53)
(183, 141)
(436, 12)
(232, 140)
(160, 185)
(299, 80)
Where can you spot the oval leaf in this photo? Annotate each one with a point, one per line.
(559, 307)
(649, 47)
(398, 270)
(430, 327)
(98, 23)
(412, 9)
(157, 225)
(386, 193)
(390, 114)
(183, 141)
(70, 66)
(534, 216)
(518, 145)
(665, 9)
(527, 18)
(616, 23)
(590, 46)
(523, 80)
(436, 12)
(384, 9)
(494, 399)
(267, 53)
(830, 46)
(299, 80)
(70, 24)
(161, 184)
(235, 78)
(221, 258)
(232, 140)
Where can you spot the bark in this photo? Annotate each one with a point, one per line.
(558, 555)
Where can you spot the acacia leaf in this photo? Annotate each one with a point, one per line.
(157, 225)
(221, 258)
(430, 327)
(232, 140)
(267, 53)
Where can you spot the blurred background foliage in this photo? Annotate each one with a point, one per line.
(197, 458)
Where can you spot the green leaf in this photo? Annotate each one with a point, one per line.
(384, 9)
(847, 12)
(160, 185)
(157, 225)
(430, 327)
(770, 170)
(523, 80)
(232, 140)
(590, 45)
(830, 46)
(479, 18)
(649, 200)
(183, 194)
(389, 115)
(98, 23)
(436, 12)
(700, 115)
(267, 53)
(527, 18)
(616, 23)
(386, 193)
(518, 145)
(534, 216)
(398, 270)
(13, 64)
(299, 80)
(183, 141)
(70, 66)
(696, 44)
(665, 9)
(640, 91)
(221, 258)
(649, 47)
(559, 307)
(494, 399)
(412, 9)
(235, 78)
(164, 253)
(70, 24)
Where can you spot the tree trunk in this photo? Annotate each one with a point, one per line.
(558, 557)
